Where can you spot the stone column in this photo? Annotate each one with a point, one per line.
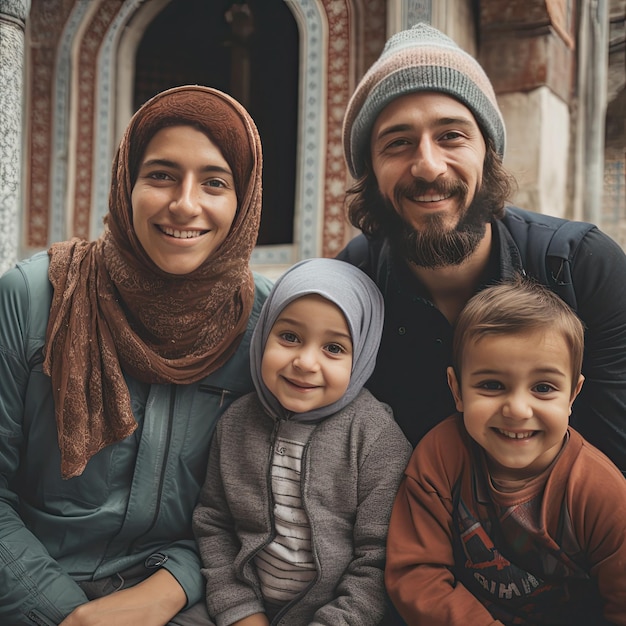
(593, 42)
(13, 15)
(455, 18)
(402, 14)
(527, 49)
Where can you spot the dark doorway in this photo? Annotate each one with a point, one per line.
(249, 50)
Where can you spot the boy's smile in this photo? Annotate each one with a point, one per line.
(516, 395)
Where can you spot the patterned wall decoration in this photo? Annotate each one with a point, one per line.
(46, 21)
(86, 120)
(12, 22)
(374, 31)
(339, 89)
(104, 93)
(60, 147)
(338, 81)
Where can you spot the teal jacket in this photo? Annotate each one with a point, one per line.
(135, 499)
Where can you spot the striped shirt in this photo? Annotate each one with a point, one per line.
(285, 567)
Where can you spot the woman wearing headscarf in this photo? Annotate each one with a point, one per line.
(117, 357)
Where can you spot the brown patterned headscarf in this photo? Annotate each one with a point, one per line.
(114, 310)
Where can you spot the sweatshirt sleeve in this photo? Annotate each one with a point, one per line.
(420, 558)
(33, 587)
(596, 495)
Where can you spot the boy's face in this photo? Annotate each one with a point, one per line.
(307, 359)
(516, 398)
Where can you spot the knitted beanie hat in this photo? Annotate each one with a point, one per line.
(419, 59)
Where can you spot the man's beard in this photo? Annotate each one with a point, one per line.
(438, 245)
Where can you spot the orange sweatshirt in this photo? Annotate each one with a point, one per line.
(460, 552)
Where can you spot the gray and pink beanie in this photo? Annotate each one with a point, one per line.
(419, 59)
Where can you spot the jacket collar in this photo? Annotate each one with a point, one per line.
(510, 260)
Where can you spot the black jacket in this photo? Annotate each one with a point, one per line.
(577, 261)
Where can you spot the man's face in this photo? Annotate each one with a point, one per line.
(427, 155)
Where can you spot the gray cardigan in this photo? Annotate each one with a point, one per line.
(351, 468)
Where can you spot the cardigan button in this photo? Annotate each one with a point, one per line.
(401, 330)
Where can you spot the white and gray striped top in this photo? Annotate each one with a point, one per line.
(285, 566)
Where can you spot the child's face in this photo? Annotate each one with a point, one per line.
(307, 360)
(516, 398)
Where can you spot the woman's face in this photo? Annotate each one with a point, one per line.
(184, 199)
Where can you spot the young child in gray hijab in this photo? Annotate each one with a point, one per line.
(292, 519)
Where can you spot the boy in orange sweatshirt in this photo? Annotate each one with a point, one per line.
(506, 515)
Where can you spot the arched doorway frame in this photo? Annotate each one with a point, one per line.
(63, 165)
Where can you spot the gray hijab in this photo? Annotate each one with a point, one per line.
(360, 301)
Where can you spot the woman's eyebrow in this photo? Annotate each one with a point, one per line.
(175, 165)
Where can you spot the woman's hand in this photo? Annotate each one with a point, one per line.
(152, 602)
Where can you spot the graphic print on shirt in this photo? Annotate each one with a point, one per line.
(541, 581)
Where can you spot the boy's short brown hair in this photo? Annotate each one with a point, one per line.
(514, 307)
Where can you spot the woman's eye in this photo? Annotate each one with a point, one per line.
(159, 176)
(216, 182)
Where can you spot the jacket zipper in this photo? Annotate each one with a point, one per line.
(170, 427)
(250, 559)
(218, 391)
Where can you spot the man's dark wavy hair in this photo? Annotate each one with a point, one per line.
(368, 212)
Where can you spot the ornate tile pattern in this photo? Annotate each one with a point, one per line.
(85, 128)
(338, 81)
(46, 24)
(59, 166)
(104, 93)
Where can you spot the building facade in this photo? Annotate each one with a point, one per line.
(74, 71)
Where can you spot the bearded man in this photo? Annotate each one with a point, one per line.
(424, 139)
